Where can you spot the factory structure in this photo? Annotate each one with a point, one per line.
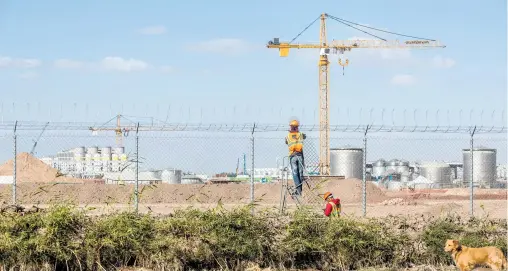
(396, 174)
(89, 162)
(113, 165)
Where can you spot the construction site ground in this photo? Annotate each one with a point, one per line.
(40, 185)
(165, 198)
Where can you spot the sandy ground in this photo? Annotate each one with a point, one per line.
(39, 184)
(164, 199)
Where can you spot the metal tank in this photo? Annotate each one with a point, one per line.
(79, 153)
(378, 168)
(97, 163)
(402, 166)
(392, 165)
(437, 172)
(92, 150)
(171, 176)
(106, 158)
(484, 166)
(190, 179)
(405, 176)
(118, 150)
(347, 162)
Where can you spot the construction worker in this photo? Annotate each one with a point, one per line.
(294, 140)
(333, 206)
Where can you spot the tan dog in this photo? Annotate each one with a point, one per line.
(466, 258)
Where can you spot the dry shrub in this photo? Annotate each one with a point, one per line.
(62, 238)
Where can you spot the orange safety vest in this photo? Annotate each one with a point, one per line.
(335, 209)
(295, 142)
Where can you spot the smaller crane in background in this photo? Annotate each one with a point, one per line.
(32, 152)
(119, 131)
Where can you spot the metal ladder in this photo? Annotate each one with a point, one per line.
(290, 189)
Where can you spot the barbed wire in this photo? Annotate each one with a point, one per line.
(345, 116)
(187, 127)
(484, 122)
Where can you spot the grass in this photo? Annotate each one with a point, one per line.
(65, 238)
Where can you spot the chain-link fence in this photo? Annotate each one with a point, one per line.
(140, 170)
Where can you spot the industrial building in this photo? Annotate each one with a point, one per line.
(395, 173)
(89, 162)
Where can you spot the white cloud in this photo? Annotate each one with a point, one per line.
(403, 79)
(112, 63)
(443, 62)
(153, 30)
(68, 64)
(228, 46)
(8, 62)
(29, 75)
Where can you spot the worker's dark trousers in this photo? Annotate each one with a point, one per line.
(296, 162)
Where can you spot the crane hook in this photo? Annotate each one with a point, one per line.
(343, 64)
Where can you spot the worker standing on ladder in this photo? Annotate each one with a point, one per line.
(294, 140)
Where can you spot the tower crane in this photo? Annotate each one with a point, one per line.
(119, 131)
(339, 47)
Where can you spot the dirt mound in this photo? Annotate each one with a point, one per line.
(33, 170)
(398, 201)
(350, 190)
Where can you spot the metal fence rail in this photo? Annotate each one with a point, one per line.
(249, 154)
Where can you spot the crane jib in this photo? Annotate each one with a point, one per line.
(417, 42)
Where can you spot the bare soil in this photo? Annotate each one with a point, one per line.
(40, 184)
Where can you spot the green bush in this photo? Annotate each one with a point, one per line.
(63, 238)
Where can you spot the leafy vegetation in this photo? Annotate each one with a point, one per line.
(65, 238)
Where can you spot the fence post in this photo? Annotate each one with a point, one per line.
(136, 191)
(471, 183)
(14, 177)
(252, 168)
(364, 177)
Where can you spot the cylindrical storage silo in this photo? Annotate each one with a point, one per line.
(118, 150)
(484, 166)
(79, 153)
(405, 176)
(392, 165)
(92, 150)
(123, 157)
(106, 158)
(171, 176)
(347, 162)
(97, 162)
(437, 172)
(191, 180)
(378, 168)
(402, 166)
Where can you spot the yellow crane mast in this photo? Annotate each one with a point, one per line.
(119, 131)
(339, 47)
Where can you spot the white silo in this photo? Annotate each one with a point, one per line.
(484, 166)
(106, 158)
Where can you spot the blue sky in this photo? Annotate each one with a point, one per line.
(88, 60)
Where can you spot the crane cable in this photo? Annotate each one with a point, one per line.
(331, 17)
(305, 29)
(373, 28)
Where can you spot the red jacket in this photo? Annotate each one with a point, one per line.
(329, 207)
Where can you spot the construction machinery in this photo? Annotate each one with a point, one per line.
(32, 152)
(339, 47)
(119, 131)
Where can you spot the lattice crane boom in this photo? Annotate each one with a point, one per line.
(341, 46)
